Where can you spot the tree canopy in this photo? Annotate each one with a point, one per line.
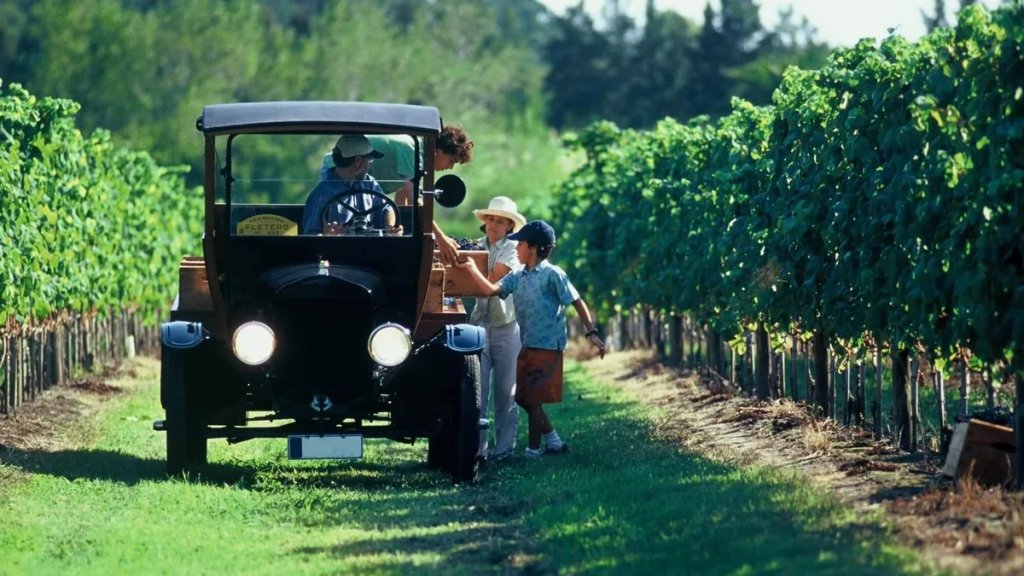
(507, 70)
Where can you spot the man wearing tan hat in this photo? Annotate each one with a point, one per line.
(498, 318)
(352, 155)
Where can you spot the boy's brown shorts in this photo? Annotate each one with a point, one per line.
(538, 376)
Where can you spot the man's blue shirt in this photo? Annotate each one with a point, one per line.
(333, 185)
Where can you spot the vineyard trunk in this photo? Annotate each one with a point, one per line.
(901, 398)
(822, 372)
(675, 340)
(762, 359)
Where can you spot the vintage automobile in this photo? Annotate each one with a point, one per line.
(320, 339)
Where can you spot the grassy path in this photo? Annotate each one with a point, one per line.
(99, 503)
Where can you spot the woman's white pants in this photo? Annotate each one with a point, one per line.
(498, 375)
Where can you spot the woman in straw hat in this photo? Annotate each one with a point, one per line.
(498, 318)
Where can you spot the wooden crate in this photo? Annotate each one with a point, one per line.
(436, 314)
(983, 450)
(193, 286)
(458, 283)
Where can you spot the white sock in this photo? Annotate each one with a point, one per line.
(551, 440)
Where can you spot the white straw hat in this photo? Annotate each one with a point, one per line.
(504, 207)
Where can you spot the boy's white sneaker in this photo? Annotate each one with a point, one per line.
(562, 448)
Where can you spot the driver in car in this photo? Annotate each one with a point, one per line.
(349, 199)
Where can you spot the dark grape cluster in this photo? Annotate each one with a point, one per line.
(467, 244)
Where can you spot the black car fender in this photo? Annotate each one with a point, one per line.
(464, 338)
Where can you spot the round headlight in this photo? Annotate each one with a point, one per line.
(253, 343)
(390, 344)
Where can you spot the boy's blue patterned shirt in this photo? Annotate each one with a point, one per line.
(540, 297)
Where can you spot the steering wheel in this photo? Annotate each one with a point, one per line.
(356, 213)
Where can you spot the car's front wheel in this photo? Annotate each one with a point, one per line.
(186, 444)
(466, 431)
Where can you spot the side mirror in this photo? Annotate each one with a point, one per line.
(449, 190)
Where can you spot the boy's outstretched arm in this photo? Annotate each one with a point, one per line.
(489, 288)
(588, 324)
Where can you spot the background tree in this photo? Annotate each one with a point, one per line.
(728, 39)
(144, 69)
(668, 66)
(789, 44)
(16, 43)
(507, 70)
(578, 57)
(659, 79)
(937, 19)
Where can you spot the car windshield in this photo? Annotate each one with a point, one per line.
(295, 184)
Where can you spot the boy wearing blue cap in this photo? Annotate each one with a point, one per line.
(540, 291)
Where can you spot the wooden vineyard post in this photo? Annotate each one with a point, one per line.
(940, 394)
(808, 374)
(847, 387)
(732, 365)
(792, 372)
(861, 398)
(779, 372)
(990, 391)
(1018, 429)
(5, 374)
(965, 383)
(833, 389)
(915, 404)
(822, 373)
(876, 360)
(762, 362)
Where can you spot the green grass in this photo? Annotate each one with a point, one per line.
(620, 503)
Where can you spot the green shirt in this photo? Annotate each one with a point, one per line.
(397, 165)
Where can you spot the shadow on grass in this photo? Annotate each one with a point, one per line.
(619, 503)
(622, 503)
(130, 469)
(120, 467)
(479, 549)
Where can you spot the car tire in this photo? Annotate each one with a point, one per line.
(186, 444)
(466, 432)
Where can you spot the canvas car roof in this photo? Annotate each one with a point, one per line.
(314, 115)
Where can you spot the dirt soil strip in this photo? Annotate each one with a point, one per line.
(964, 529)
(37, 425)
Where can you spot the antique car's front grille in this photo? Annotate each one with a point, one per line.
(322, 347)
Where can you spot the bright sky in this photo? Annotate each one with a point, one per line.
(839, 23)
